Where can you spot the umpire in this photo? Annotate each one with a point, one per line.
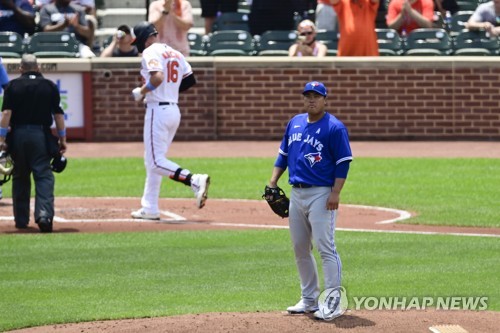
(30, 104)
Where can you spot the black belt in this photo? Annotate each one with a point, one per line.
(160, 103)
(302, 185)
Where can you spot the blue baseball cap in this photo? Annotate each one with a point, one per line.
(315, 86)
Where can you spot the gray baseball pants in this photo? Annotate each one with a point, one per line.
(311, 221)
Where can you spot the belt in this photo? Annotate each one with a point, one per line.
(160, 103)
(302, 185)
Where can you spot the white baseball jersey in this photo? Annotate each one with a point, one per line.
(162, 58)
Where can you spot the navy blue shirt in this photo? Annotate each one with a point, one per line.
(9, 23)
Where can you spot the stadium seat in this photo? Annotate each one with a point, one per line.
(467, 4)
(458, 21)
(244, 6)
(330, 38)
(11, 45)
(54, 45)
(476, 43)
(196, 44)
(231, 21)
(389, 42)
(276, 42)
(230, 43)
(428, 42)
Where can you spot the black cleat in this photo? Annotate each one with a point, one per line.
(44, 224)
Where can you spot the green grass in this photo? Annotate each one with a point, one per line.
(81, 277)
(458, 192)
(57, 278)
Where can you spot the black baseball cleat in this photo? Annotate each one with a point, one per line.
(44, 224)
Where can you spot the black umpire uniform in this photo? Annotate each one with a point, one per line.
(29, 104)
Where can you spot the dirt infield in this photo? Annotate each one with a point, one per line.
(270, 149)
(113, 214)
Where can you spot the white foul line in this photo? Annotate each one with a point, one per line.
(403, 214)
(172, 217)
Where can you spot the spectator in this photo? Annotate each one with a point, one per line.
(40, 3)
(211, 8)
(326, 17)
(271, 15)
(408, 15)
(88, 5)
(172, 19)
(486, 16)
(62, 15)
(120, 45)
(30, 133)
(90, 16)
(306, 9)
(306, 44)
(357, 27)
(17, 16)
(444, 6)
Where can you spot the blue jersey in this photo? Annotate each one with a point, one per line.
(312, 151)
(4, 78)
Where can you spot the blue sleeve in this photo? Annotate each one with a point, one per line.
(4, 78)
(341, 146)
(282, 160)
(342, 169)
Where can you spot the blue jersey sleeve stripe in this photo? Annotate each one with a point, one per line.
(283, 153)
(348, 158)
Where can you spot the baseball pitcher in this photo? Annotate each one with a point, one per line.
(316, 151)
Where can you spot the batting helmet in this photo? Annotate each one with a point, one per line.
(58, 164)
(6, 167)
(142, 31)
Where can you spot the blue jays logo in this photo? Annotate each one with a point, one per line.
(313, 158)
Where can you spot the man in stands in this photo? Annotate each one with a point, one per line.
(17, 16)
(62, 15)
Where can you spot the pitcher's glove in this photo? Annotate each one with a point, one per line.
(277, 200)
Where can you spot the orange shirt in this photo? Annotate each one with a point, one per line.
(425, 7)
(357, 28)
